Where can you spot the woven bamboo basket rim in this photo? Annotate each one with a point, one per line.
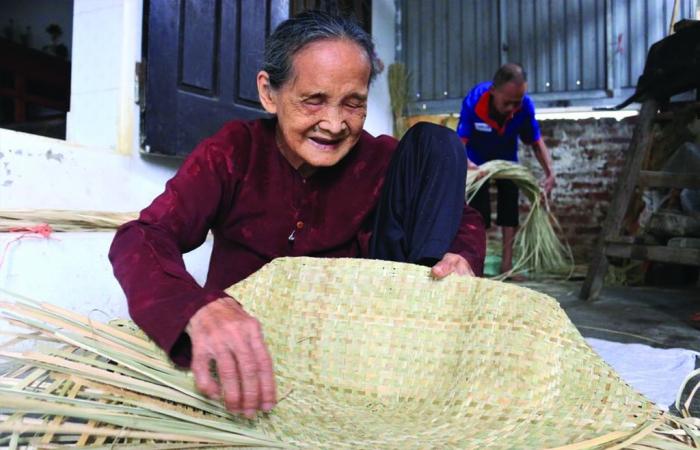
(370, 354)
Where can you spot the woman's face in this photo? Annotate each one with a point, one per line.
(321, 109)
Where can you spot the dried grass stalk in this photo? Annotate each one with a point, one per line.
(104, 384)
(398, 93)
(63, 220)
(367, 354)
(537, 247)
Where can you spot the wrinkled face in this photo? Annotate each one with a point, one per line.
(507, 98)
(321, 109)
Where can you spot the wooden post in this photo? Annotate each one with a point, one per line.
(674, 16)
(641, 140)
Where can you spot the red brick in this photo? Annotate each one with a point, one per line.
(588, 156)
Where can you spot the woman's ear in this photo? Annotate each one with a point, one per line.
(268, 99)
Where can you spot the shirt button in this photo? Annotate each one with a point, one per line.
(300, 225)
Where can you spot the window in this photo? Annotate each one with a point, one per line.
(35, 69)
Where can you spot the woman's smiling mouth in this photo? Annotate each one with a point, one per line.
(326, 144)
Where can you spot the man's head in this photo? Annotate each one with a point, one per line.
(508, 89)
(315, 79)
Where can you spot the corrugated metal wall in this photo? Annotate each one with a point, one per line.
(637, 24)
(443, 39)
(575, 51)
(560, 43)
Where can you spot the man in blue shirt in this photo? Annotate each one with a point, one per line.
(494, 115)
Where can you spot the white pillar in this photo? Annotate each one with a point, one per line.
(106, 46)
(379, 116)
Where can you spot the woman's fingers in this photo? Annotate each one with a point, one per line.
(451, 263)
(266, 376)
(224, 335)
(203, 377)
(227, 368)
(246, 376)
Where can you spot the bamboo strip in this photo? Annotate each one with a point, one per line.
(64, 220)
(537, 247)
(367, 354)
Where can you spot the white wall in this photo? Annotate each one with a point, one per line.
(100, 166)
(379, 118)
(106, 46)
(71, 269)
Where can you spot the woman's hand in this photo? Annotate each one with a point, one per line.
(451, 263)
(228, 340)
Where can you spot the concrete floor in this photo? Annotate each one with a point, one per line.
(645, 315)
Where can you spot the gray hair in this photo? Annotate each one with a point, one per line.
(509, 73)
(295, 33)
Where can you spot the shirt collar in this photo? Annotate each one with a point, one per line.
(482, 111)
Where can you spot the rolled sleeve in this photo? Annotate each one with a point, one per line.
(470, 241)
(146, 254)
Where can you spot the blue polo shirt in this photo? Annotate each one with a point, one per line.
(485, 139)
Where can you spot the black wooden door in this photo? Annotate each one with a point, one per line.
(201, 58)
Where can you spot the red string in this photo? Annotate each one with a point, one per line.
(42, 230)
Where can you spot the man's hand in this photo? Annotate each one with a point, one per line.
(224, 334)
(474, 168)
(451, 263)
(545, 159)
(548, 184)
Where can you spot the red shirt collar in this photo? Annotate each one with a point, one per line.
(482, 111)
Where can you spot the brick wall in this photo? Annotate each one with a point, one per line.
(587, 155)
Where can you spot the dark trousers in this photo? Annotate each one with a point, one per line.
(420, 208)
(506, 206)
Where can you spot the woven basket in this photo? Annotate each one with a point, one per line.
(373, 354)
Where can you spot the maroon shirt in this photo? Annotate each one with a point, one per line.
(238, 185)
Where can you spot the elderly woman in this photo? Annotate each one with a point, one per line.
(306, 182)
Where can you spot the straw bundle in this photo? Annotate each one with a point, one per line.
(537, 247)
(63, 220)
(398, 93)
(367, 354)
(103, 385)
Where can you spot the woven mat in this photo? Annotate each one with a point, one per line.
(368, 354)
(373, 354)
